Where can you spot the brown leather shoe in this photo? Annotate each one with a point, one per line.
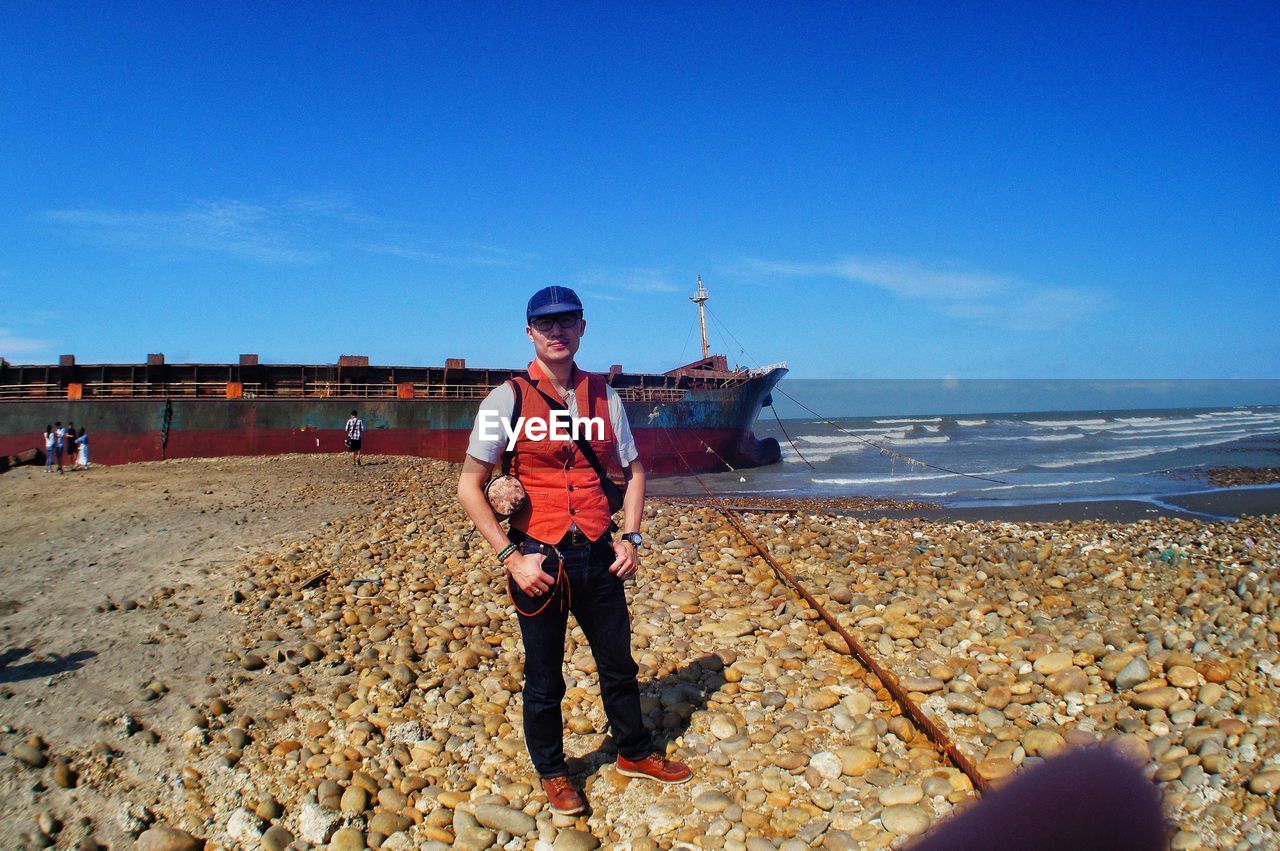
(562, 797)
(654, 767)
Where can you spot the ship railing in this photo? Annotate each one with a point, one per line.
(450, 391)
(29, 391)
(293, 390)
(651, 394)
(767, 368)
(334, 389)
(144, 390)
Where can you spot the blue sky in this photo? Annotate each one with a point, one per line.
(893, 190)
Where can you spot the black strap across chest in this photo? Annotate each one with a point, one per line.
(555, 404)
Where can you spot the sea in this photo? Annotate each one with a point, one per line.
(969, 460)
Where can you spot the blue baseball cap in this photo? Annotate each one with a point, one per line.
(549, 300)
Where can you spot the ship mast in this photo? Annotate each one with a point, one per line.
(701, 300)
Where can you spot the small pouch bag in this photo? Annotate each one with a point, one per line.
(504, 493)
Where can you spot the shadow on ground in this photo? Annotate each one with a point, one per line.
(679, 694)
(47, 666)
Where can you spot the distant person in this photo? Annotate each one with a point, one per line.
(50, 441)
(82, 450)
(59, 442)
(355, 431)
(69, 444)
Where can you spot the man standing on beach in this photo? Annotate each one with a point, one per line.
(355, 432)
(560, 556)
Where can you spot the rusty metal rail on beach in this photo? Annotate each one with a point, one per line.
(931, 728)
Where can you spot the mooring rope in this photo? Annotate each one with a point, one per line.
(889, 453)
(931, 729)
(788, 437)
(915, 462)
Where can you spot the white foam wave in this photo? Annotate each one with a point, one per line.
(1203, 425)
(1065, 423)
(825, 453)
(1237, 412)
(841, 439)
(916, 441)
(1190, 432)
(1049, 484)
(971, 422)
(1128, 454)
(1042, 438)
(933, 428)
(911, 420)
(884, 480)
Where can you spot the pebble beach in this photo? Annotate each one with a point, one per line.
(291, 653)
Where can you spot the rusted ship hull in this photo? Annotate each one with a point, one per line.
(703, 430)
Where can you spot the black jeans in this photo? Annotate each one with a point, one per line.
(597, 600)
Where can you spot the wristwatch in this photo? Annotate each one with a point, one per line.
(635, 539)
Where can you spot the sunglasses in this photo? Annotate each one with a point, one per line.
(564, 320)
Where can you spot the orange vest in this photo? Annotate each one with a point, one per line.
(563, 488)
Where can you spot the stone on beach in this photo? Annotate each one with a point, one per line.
(390, 713)
(905, 820)
(165, 838)
(1135, 672)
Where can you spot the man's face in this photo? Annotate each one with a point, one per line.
(556, 337)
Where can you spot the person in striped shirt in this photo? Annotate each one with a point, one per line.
(355, 431)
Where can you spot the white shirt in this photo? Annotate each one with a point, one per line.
(355, 428)
(502, 400)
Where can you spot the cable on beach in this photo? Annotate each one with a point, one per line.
(788, 437)
(915, 462)
(936, 734)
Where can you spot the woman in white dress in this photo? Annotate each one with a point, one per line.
(82, 444)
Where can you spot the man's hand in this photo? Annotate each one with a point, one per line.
(625, 564)
(526, 570)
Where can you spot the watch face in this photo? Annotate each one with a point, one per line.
(635, 538)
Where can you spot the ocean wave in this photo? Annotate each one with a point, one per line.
(1065, 423)
(822, 453)
(971, 422)
(1042, 438)
(1236, 412)
(911, 420)
(1100, 457)
(1203, 425)
(933, 428)
(1129, 454)
(1184, 433)
(884, 480)
(826, 439)
(1048, 484)
(916, 441)
(792, 458)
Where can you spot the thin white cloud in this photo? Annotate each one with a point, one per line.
(12, 344)
(997, 300)
(268, 233)
(639, 280)
(289, 231)
(596, 295)
(481, 255)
